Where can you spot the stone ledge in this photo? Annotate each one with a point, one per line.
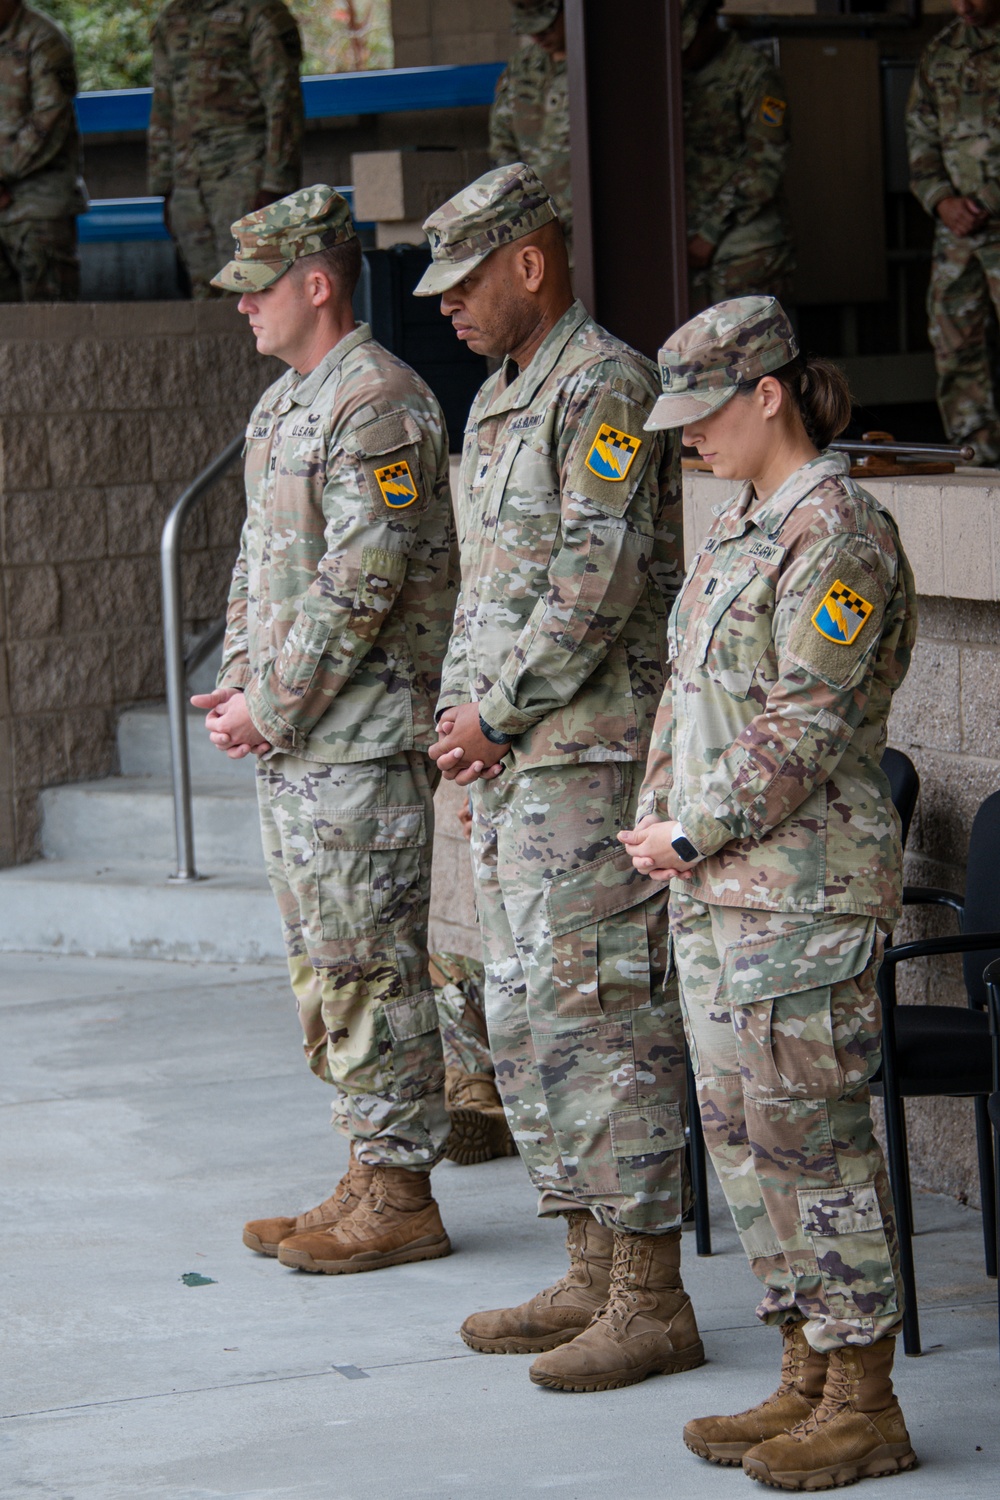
(949, 525)
(61, 321)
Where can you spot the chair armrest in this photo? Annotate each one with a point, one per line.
(929, 895)
(969, 942)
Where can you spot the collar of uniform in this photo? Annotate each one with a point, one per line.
(306, 389)
(522, 390)
(772, 513)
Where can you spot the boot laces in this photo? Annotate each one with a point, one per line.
(838, 1393)
(622, 1295)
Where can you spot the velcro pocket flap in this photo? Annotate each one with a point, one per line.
(785, 964)
(852, 1209)
(413, 1016)
(385, 434)
(371, 828)
(595, 890)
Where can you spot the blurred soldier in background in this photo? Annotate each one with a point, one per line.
(225, 132)
(735, 154)
(41, 191)
(953, 132)
(529, 120)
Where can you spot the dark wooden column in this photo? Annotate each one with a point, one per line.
(629, 233)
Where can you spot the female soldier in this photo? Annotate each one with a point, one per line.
(765, 807)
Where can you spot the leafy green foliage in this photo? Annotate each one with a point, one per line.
(111, 37)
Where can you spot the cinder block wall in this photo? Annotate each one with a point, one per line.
(106, 413)
(946, 716)
(450, 31)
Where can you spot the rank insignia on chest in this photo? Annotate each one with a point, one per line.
(612, 453)
(397, 486)
(842, 614)
(772, 111)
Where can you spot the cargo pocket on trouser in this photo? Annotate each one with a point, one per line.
(844, 1228)
(417, 1058)
(367, 868)
(597, 927)
(648, 1146)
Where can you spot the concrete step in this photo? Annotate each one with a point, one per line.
(64, 906)
(132, 817)
(144, 747)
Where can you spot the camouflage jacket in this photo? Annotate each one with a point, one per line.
(39, 137)
(952, 123)
(344, 588)
(792, 631)
(736, 151)
(226, 93)
(569, 521)
(529, 122)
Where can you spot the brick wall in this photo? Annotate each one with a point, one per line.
(106, 413)
(450, 31)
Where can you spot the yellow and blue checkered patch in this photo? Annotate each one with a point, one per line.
(397, 486)
(842, 614)
(772, 111)
(612, 453)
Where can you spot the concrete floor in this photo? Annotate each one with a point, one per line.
(149, 1108)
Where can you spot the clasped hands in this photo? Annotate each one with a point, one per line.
(651, 847)
(463, 753)
(229, 725)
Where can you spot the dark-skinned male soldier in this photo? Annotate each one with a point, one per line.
(569, 523)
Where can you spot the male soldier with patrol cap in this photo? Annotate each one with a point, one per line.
(529, 119)
(40, 187)
(953, 134)
(569, 514)
(339, 611)
(225, 127)
(735, 155)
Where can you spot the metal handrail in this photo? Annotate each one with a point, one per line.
(173, 641)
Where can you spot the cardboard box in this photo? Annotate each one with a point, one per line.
(392, 186)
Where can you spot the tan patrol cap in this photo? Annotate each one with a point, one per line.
(501, 206)
(270, 241)
(706, 361)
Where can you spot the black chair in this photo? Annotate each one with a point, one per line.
(991, 979)
(904, 788)
(944, 1049)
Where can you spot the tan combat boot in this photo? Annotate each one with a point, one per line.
(479, 1129)
(396, 1221)
(560, 1312)
(856, 1432)
(724, 1440)
(265, 1235)
(646, 1327)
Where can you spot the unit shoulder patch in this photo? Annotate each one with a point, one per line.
(396, 484)
(772, 111)
(609, 454)
(842, 614)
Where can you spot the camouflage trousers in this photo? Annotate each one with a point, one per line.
(348, 852)
(585, 1032)
(38, 261)
(201, 214)
(458, 993)
(784, 1029)
(767, 272)
(963, 301)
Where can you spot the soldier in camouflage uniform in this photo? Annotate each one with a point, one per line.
(41, 191)
(953, 133)
(225, 129)
(735, 155)
(338, 617)
(529, 119)
(479, 1129)
(570, 530)
(765, 802)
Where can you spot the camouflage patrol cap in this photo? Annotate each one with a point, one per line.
(501, 206)
(269, 241)
(705, 362)
(691, 14)
(532, 16)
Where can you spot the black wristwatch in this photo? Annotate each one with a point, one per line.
(684, 847)
(491, 734)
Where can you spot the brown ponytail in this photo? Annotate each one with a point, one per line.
(819, 392)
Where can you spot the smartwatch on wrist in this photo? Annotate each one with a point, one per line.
(491, 734)
(684, 847)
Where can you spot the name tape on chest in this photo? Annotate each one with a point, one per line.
(768, 553)
(396, 484)
(842, 614)
(528, 423)
(612, 452)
